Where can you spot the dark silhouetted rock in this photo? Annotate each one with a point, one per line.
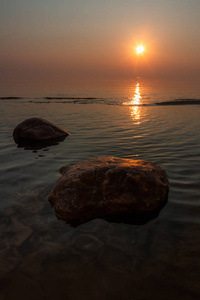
(38, 132)
(115, 189)
(180, 102)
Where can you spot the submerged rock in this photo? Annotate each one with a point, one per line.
(116, 189)
(38, 131)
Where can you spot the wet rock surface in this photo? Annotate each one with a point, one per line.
(115, 189)
(39, 132)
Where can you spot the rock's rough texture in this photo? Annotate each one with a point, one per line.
(39, 130)
(110, 188)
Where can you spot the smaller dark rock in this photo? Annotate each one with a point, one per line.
(36, 133)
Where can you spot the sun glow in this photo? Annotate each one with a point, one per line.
(134, 103)
(140, 49)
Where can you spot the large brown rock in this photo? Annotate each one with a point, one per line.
(37, 130)
(112, 188)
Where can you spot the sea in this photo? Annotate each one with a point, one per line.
(42, 257)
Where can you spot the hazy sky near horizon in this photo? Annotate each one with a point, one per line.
(76, 38)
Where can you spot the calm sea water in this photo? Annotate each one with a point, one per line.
(43, 258)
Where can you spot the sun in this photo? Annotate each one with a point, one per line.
(140, 49)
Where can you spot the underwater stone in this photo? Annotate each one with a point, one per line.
(115, 189)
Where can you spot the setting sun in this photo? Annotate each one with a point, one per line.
(140, 49)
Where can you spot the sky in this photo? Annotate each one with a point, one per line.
(97, 39)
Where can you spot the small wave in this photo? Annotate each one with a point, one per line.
(121, 101)
(118, 102)
(11, 98)
(74, 100)
(70, 98)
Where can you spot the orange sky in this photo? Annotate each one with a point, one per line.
(55, 39)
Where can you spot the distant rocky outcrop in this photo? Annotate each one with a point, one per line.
(36, 131)
(180, 102)
(116, 189)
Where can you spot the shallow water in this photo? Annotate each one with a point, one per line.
(43, 258)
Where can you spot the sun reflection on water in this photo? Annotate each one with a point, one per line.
(134, 103)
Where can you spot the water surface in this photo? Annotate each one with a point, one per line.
(43, 258)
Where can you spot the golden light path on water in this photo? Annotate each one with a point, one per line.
(135, 101)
